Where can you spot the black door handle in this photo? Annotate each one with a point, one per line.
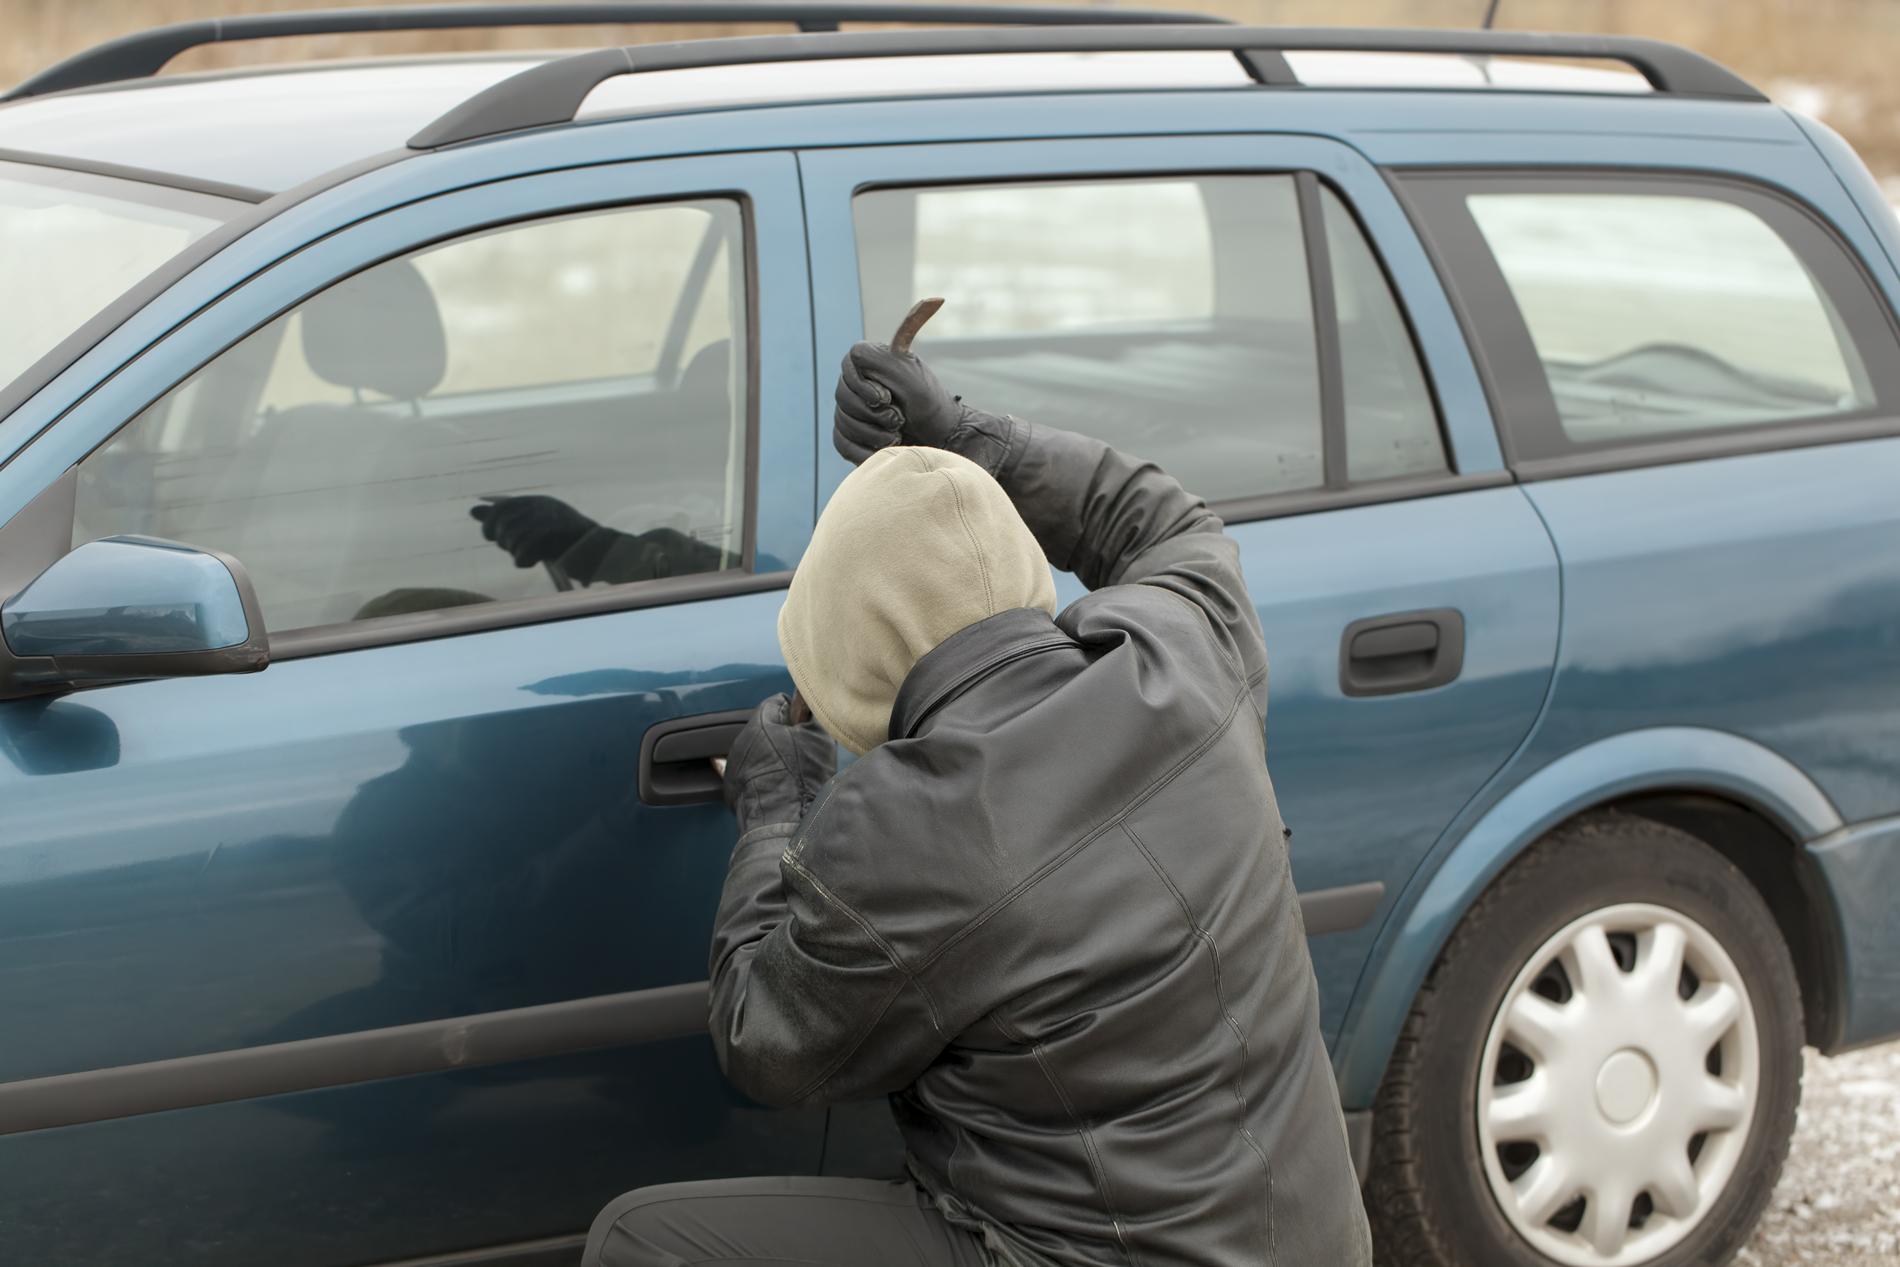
(1404, 651)
(676, 756)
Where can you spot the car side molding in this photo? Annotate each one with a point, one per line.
(458, 1042)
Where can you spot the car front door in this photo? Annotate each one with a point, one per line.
(407, 933)
(1255, 314)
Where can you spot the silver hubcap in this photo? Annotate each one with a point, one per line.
(1618, 1084)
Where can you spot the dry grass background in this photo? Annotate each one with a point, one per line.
(1831, 57)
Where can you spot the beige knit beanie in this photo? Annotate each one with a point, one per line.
(916, 544)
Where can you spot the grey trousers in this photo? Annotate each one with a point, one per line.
(794, 1222)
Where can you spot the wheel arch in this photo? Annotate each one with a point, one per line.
(1698, 780)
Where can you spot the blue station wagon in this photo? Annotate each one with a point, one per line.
(356, 881)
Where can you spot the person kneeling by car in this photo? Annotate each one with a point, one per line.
(1048, 911)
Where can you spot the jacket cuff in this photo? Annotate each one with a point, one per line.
(992, 441)
(582, 560)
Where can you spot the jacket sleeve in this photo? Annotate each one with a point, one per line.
(1117, 520)
(809, 1005)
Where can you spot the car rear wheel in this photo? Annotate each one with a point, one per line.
(1602, 1068)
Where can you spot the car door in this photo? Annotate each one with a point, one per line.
(1253, 313)
(407, 933)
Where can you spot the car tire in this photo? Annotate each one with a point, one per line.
(1480, 1070)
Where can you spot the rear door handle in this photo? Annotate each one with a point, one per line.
(676, 756)
(1403, 651)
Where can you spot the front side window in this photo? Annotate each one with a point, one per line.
(1171, 316)
(1669, 313)
(545, 406)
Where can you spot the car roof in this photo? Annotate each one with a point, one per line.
(263, 130)
(271, 129)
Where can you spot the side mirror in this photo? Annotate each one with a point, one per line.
(124, 609)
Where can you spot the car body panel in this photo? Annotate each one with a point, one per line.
(1858, 182)
(1789, 640)
(1861, 868)
(349, 842)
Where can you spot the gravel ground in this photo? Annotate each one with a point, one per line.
(1838, 1204)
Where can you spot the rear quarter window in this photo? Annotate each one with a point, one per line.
(1620, 312)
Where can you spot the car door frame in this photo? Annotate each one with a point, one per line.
(832, 177)
(778, 292)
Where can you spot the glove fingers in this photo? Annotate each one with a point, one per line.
(865, 420)
(849, 448)
(860, 372)
(857, 439)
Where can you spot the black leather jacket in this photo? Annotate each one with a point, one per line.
(1052, 919)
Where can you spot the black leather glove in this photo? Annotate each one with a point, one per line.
(775, 768)
(618, 557)
(533, 529)
(886, 398)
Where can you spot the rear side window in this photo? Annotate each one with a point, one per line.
(1650, 310)
(1178, 318)
(551, 405)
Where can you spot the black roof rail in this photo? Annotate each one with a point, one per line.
(553, 91)
(144, 53)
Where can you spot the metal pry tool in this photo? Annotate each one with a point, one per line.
(920, 312)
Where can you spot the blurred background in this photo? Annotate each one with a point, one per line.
(1831, 59)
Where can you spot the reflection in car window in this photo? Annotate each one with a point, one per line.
(545, 406)
(1657, 313)
(1172, 317)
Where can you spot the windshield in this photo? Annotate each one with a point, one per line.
(72, 242)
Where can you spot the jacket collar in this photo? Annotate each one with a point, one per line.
(967, 655)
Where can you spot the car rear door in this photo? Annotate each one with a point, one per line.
(1255, 314)
(408, 932)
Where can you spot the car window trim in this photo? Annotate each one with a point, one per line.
(358, 635)
(1337, 490)
(447, 622)
(1400, 488)
(1321, 289)
(1523, 406)
(1447, 450)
